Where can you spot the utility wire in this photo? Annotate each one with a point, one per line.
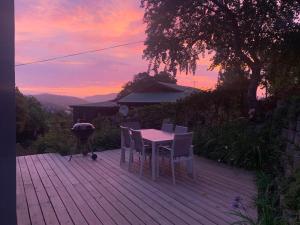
(77, 53)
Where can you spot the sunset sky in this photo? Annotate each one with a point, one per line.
(50, 28)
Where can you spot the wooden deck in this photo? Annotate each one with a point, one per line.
(51, 190)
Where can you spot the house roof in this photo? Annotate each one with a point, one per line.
(160, 97)
(175, 93)
(107, 104)
(177, 87)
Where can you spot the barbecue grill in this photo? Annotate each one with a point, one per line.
(83, 133)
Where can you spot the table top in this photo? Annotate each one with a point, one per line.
(154, 135)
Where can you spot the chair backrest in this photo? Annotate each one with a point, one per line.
(126, 136)
(182, 144)
(180, 129)
(166, 120)
(136, 137)
(167, 127)
(132, 125)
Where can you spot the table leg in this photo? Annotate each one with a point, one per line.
(190, 163)
(122, 155)
(122, 160)
(153, 161)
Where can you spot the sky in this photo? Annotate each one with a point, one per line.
(50, 28)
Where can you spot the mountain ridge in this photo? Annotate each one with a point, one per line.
(55, 102)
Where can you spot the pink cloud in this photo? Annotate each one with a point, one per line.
(47, 28)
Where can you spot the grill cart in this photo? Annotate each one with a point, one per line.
(83, 133)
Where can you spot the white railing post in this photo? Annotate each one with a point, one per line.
(7, 114)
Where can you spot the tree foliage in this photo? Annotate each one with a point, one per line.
(31, 118)
(283, 73)
(142, 80)
(242, 33)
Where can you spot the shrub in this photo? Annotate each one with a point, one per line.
(240, 143)
(292, 192)
(60, 140)
(267, 204)
(107, 135)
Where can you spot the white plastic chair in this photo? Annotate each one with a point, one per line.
(180, 129)
(167, 127)
(137, 144)
(132, 125)
(125, 142)
(181, 150)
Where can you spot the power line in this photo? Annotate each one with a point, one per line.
(77, 53)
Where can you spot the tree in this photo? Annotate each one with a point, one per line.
(240, 32)
(166, 77)
(232, 85)
(283, 73)
(21, 112)
(37, 118)
(30, 118)
(142, 80)
(8, 114)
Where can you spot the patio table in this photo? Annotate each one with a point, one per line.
(156, 137)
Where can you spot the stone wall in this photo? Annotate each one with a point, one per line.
(291, 157)
(291, 162)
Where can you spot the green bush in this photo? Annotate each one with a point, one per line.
(152, 116)
(60, 140)
(240, 143)
(292, 192)
(268, 200)
(109, 139)
(267, 204)
(107, 135)
(59, 137)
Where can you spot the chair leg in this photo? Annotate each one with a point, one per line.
(193, 169)
(173, 170)
(142, 165)
(130, 159)
(157, 164)
(122, 160)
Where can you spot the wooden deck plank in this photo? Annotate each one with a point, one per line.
(209, 204)
(52, 190)
(44, 201)
(167, 192)
(123, 220)
(133, 195)
(227, 202)
(155, 196)
(214, 193)
(98, 181)
(81, 203)
(35, 212)
(67, 200)
(23, 217)
(211, 180)
(60, 209)
(90, 193)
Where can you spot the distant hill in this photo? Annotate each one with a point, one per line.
(58, 102)
(101, 98)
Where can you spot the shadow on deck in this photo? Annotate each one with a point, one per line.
(51, 190)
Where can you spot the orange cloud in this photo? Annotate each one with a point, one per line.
(197, 81)
(72, 91)
(49, 28)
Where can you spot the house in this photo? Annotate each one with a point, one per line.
(155, 93)
(88, 112)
